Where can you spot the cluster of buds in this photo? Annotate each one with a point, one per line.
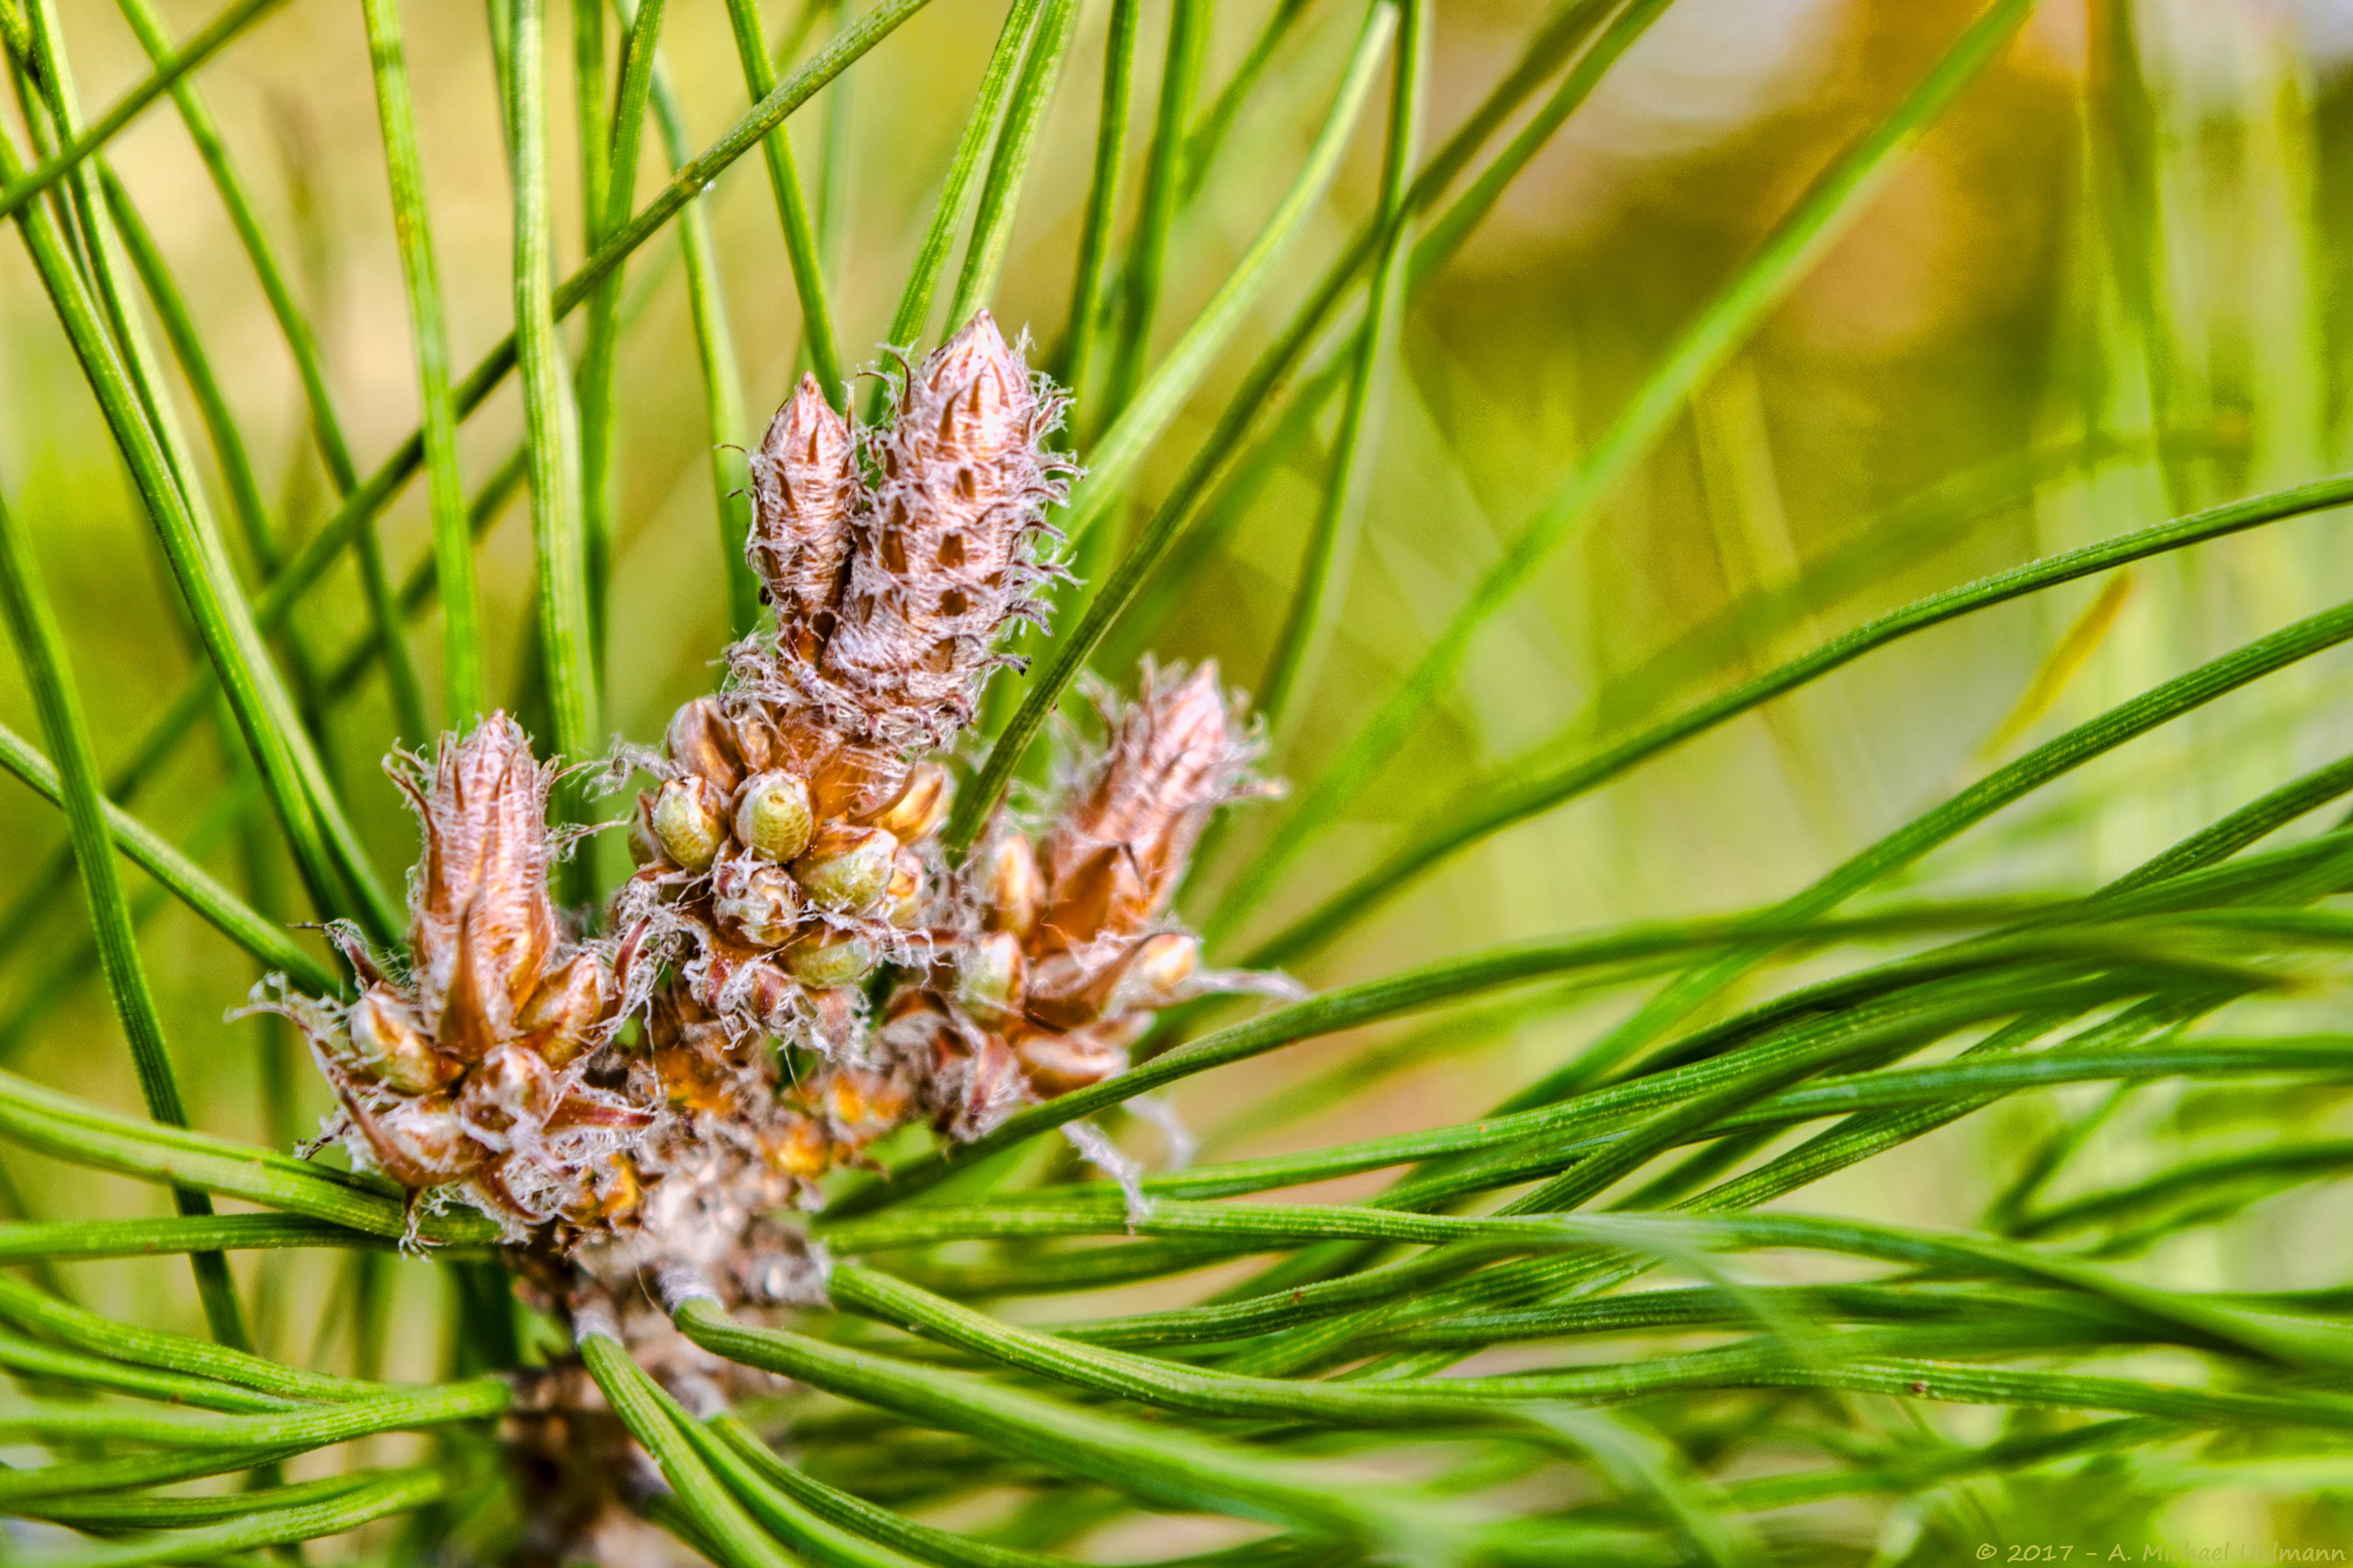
(1066, 950)
(785, 853)
(473, 1074)
(778, 864)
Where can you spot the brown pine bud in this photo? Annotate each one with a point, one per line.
(645, 844)
(510, 1084)
(804, 489)
(856, 781)
(563, 1016)
(421, 1143)
(770, 997)
(1153, 974)
(970, 402)
(982, 1089)
(940, 566)
(468, 1076)
(484, 811)
(1057, 1064)
(1114, 859)
(1109, 979)
(1064, 993)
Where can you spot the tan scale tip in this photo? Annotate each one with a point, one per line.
(981, 388)
(806, 431)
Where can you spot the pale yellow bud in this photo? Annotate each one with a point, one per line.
(686, 819)
(989, 976)
(847, 869)
(824, 959)
(772, 816)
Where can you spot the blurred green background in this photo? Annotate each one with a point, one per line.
(2104, 289)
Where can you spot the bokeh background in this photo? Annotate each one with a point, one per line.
(2106, 288)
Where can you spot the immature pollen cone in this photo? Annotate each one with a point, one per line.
(469, 1079)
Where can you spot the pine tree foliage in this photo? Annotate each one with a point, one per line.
(757, 1178)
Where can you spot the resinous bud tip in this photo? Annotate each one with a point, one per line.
(773, 816)
(802, 1150)
(613, 1193)
(686, 819)
(865, 1104)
